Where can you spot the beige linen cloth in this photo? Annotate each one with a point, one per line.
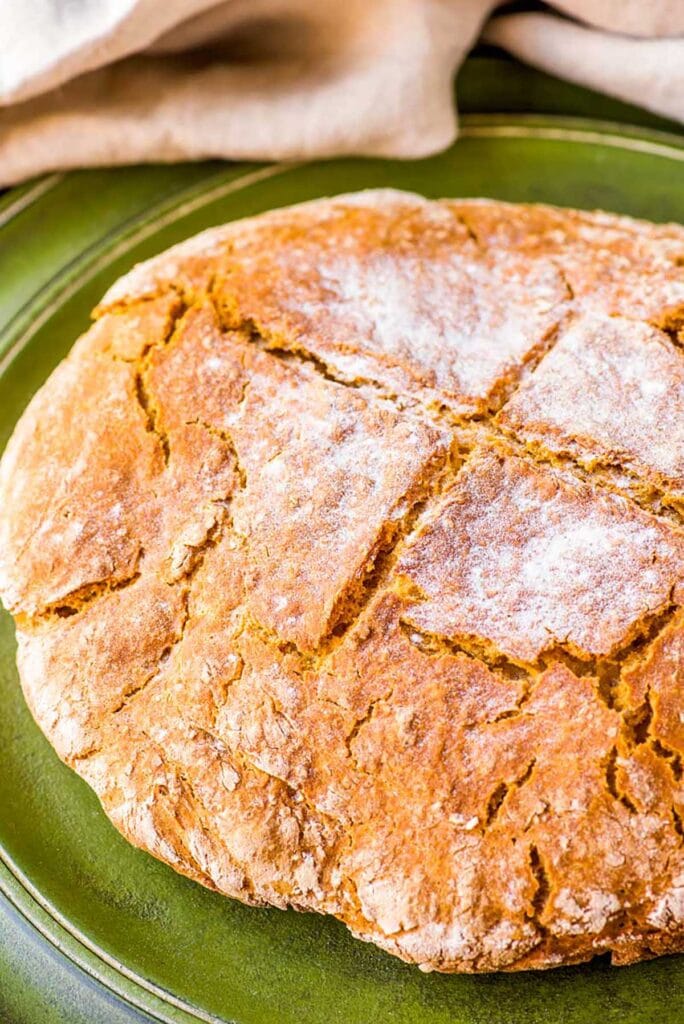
(86, 82)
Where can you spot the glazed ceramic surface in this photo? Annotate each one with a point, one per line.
(145, 939)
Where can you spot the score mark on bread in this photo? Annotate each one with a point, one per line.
(346, 555)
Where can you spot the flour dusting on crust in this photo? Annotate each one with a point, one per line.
(346, 553)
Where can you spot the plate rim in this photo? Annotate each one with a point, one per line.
(26, 899)
(36, 310)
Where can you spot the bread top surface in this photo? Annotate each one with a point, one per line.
(346, 553)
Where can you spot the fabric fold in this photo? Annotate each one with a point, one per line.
(646, 72)
(126, 81)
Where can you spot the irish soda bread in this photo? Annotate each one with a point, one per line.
(346, 553)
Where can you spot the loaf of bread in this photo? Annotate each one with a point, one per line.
(346, 554)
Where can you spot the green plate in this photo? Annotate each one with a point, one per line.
(160, 942)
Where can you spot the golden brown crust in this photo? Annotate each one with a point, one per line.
(528, 558)
(346, 551)
(574, 403)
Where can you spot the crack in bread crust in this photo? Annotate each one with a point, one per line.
(411, 780)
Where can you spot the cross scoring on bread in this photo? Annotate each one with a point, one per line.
(362, 672)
